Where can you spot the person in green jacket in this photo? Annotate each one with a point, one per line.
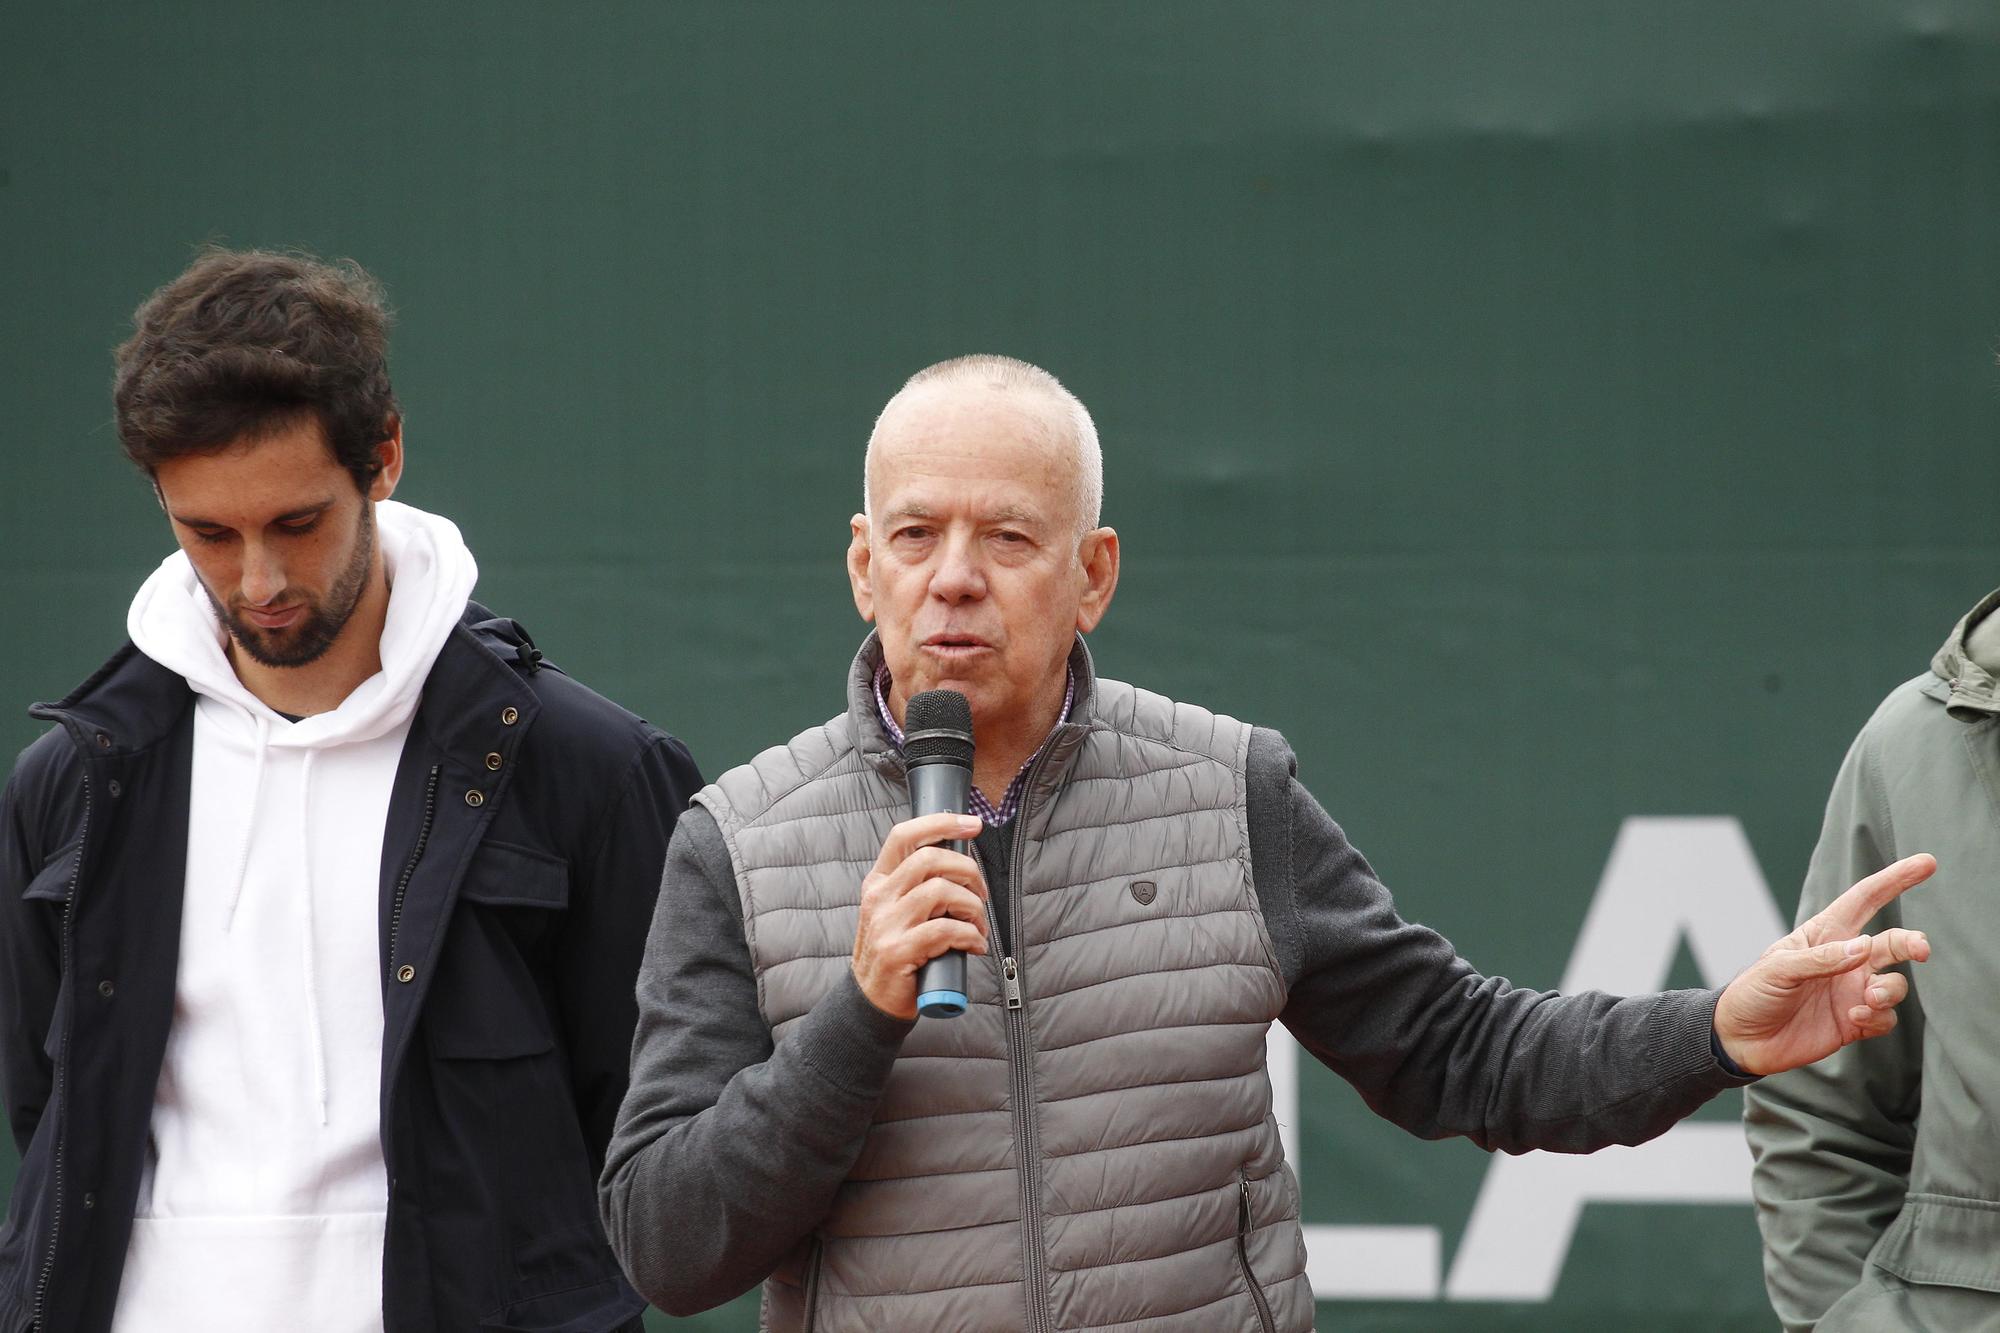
(1878, 1170)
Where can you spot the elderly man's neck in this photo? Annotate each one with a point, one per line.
(1003, 744)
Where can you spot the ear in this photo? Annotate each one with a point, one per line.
(388, 462)
(859, 566)
(1098, 554)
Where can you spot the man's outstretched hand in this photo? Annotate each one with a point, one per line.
(1825, 984)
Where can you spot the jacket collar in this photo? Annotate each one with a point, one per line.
(474, 702)
(132, 702)
(881, 754)
(1968, 690)
(129, 704)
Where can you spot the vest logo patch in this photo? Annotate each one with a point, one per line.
(1144, 891)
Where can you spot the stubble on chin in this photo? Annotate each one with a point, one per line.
(309, 640)
(302, 645)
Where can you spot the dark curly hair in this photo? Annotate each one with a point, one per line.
(246, 342)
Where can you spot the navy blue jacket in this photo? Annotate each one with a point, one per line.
(527, 828)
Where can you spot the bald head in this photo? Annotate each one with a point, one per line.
(1034, 402)
(978, 554)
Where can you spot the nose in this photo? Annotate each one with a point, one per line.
(263, 574)
(959, 576)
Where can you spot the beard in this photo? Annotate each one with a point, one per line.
(307, 642)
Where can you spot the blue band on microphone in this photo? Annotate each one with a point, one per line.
(941, 1003)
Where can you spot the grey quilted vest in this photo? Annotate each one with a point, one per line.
(1091, 1146)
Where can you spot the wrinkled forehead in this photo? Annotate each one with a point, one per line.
(954, 444)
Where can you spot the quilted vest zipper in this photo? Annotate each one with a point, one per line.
(1243, 1254)
(56, 1096)
(1021, 1065)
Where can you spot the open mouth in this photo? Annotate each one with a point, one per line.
(956, 645)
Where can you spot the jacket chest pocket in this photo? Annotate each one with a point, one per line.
(52, 884)
(487, 999)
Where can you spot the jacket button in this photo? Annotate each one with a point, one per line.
(406, 974)
(89, 1200)
(106, 989)
(103, 741)
(117, 788)
(475, 798)
(508, 717)
(493, 761)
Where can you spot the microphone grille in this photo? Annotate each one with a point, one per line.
(937, 727)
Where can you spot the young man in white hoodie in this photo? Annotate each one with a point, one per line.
(321, 905)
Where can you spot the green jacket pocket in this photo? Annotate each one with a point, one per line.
(1942, 1241)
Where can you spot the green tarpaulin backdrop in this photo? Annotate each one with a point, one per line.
(1550, 415)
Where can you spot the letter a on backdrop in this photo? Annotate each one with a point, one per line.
(1668, 880)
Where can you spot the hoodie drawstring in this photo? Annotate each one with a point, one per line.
(249, 823)
(315, 1040)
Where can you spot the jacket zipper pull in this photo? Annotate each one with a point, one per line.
(1011, 976)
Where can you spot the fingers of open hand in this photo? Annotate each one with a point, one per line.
(1870, 1022)
(1899, 946)
(1885, 990)
(1851, 910)
(1794, 966)
(1798, 939)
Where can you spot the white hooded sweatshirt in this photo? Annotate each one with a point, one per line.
(263, 1197)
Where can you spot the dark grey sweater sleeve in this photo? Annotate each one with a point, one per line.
(728, 1150)
(1430, 1043)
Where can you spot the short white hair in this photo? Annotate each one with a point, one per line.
(1007, 373)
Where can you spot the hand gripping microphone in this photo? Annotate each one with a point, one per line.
(937, 749)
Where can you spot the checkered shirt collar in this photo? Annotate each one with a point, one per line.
(1010, 800)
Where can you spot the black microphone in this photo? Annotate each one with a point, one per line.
(937, 749)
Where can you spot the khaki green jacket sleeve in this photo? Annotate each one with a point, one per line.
(1833, 1140)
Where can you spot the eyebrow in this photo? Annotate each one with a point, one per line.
(1004, 514)
(310, 511)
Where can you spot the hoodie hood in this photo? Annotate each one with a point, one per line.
(1967, 667)
(278, 803)
(431, 575)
